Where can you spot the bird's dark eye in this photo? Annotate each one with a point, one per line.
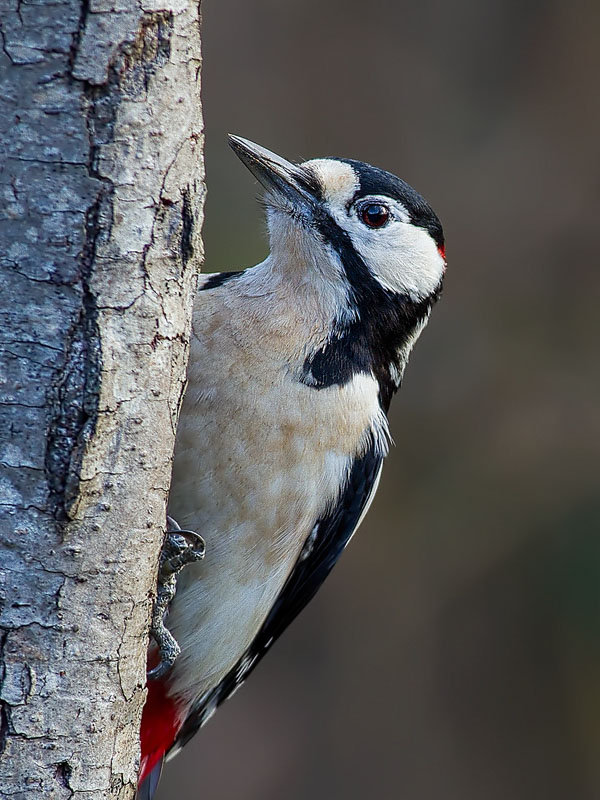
(374, 215)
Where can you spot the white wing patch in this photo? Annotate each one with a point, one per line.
(310, 543)
(366, 386)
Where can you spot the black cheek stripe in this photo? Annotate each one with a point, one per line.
(382, 325)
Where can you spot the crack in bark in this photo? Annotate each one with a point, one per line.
(85, 10)
(63, 775)
(3, 41)
(187, 228)
(5, 723)
(73, 396)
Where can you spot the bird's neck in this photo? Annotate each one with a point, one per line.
(292, 299)
(332, 330)
(376, 341)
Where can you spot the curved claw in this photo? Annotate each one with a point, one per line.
(169, 650)
(181, 547)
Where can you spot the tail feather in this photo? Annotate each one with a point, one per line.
(149, 784)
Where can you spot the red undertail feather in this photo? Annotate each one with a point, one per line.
(160, 723)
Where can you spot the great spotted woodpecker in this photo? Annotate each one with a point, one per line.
(283, 429)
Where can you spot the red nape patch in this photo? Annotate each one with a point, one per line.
(442, 251)
(160, 723)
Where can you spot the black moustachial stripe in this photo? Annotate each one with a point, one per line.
(372, 341)
(324, 546)
(368, 344)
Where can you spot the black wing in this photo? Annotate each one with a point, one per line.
(322, 549)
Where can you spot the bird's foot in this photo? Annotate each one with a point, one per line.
(179, 549)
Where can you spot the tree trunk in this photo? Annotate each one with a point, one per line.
(101, 196)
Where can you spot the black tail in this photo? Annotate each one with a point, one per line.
(149, 785)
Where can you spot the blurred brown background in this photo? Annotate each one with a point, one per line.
(455, 650)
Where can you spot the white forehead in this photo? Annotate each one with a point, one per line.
(340, 182)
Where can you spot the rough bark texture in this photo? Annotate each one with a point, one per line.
(101, 195)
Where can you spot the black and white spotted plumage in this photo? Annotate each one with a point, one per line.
(283, 430)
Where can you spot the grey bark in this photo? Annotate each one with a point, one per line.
(101, 191)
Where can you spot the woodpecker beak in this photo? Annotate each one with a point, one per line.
(297, 185)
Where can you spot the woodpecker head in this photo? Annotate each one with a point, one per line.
(374, 226)
(376, 248)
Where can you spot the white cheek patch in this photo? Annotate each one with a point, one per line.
(339, 180)
(403, 257)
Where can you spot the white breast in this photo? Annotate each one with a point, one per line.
(259, 458)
